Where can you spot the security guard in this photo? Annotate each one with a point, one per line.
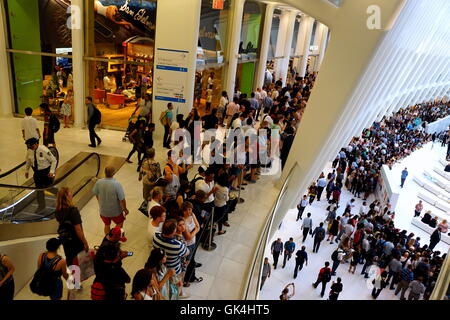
(43, 163)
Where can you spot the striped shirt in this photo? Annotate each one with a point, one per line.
(174, 249)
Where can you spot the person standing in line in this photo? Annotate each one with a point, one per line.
(289, 248)
(336, 288)
(265, 272)
(319, 235)
(406, 277)
(93, 115)
(223, 103)
(307, 226)
(166, 119)
(111, 200)
(301, 207)
(321, 184)
(43, 163)
(30, 126)
(416, 288)
(403, 177)
(285, 293)
(300, 259)
(6, 278)
(323, 277)
(418, 209)
(276, 248)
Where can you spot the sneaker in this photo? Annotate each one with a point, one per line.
(92, 146)
(128, 161)
(99, 142)
(184, 296)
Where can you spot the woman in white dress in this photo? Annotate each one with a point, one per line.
(66, 108)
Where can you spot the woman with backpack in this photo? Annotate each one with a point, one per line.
(70, 228)
(51, 266)
(6, 278)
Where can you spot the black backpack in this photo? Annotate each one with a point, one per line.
(334, 255)
(96, 116)
(44, 280)
(54, 123)
(192, 185)
(66, 230)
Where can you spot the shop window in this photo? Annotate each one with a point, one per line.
(249, 45)
(39, 79)
(210, 54)
(120, 56)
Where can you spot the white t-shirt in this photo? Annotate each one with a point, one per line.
(221, 196)
(151, 230)
(30, 125)
(237, 123)
(204, 186)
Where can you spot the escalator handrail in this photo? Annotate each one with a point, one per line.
(12, 170)
(57, 181)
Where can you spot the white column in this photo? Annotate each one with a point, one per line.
(79, 111)
(300, 42)
(284, 43)
(181, 49)
(322, 47)
(233, 40)
(6, 100)
(265, 43)
(308, 22)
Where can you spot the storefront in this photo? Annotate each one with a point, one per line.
(119, 49)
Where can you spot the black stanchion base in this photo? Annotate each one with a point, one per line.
(241, 200)
(208, 248)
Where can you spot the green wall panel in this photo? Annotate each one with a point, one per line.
(24, 28)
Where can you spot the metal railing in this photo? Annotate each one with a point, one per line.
(251, 281)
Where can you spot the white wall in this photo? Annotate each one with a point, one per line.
(177, 27)
(366, 72)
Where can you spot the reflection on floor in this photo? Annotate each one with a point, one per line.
(115, 117)
(355, 286)
(223, 270)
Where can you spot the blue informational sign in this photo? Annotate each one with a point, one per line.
(170, 99)
(179, 69)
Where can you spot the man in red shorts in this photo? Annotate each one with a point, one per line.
(111, 200)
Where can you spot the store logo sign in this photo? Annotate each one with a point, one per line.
(374, 19)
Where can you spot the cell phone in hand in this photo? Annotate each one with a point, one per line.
(130, 253)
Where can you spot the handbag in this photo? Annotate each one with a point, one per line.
(144, 208)
(85, 261)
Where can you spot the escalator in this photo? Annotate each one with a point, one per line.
(18, 195)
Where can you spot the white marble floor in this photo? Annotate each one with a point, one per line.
(223, 270)
(355, 286)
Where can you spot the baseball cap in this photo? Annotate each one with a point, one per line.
(118, 231)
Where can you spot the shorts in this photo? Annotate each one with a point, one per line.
(58, 292)
(117, 220)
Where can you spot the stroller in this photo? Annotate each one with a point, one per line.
(131, 124)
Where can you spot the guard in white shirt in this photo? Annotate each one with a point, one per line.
(43, 163)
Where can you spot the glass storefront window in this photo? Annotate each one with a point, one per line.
(40, 79)
(38, 25)
(210, 55)
(248, 47)
(121, 38)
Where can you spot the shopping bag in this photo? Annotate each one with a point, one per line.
(85, 260)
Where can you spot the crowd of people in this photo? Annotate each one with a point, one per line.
(183, 213)
(367, 235)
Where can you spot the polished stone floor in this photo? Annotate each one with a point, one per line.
(224, 269)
